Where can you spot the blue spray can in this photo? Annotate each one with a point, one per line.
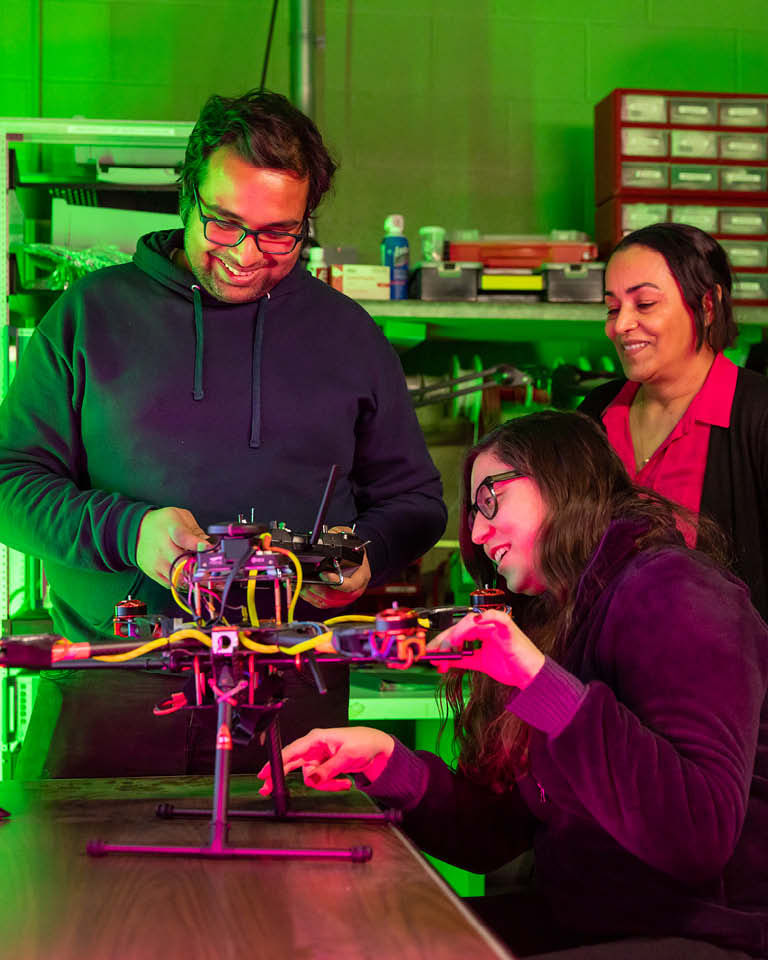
(394, 254)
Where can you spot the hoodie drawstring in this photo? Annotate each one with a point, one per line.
(258, 337)
(197, 386)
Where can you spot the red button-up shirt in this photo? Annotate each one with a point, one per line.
(676, 469)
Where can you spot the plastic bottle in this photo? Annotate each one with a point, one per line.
(394, 254)
(317, 265)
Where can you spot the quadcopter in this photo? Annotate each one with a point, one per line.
(235, 659)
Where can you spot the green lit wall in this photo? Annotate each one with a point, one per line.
(465, 114)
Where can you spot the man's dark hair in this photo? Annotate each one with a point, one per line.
(267, 131)
(700, 266)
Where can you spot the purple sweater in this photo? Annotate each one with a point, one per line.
(646, 800)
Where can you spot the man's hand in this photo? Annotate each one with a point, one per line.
(354, 584)
(163, 535)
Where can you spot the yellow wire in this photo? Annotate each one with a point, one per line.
(132, 654)
(350, 618)
(299, 577)
(312, 644)
(189, 633)
(174, 592)
(177, 637)
(250, 597)
(256, 647)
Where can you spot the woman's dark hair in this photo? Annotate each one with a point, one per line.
(584, 487)
(700, 266)
(267, 131)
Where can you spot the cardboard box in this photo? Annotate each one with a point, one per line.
(361, 281)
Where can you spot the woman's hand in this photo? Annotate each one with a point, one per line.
(504, 651)
(325, 755)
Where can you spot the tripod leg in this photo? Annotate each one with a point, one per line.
(274, 748)
(219, 826)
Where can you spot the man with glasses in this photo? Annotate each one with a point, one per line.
(212, 377)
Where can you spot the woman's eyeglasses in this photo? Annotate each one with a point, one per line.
(485, 495)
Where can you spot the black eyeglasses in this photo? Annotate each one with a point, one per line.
(485, 496)
(225, 233)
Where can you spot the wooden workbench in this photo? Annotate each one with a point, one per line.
(60, 904)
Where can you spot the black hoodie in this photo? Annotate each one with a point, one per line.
(140, 390)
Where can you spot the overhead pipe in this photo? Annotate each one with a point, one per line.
(302, 45)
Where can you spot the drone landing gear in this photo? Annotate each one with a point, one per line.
(218, 847)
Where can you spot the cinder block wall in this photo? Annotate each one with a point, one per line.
(465, 114)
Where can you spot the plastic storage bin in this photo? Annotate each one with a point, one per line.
(642, 142)
(711, 130)
(685, 177)
(746, 254)
(521, 251)
(750, 287)
(644, 176)
(694, 111)
(742, 146)
(705, 218)
(743, 178)
(643, 108)
(693, 143)
(574, 282)
(743, 113)
(432, 280)
(743, 220)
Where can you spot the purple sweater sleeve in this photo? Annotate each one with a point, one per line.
(661, 750)
(449, 816)
(550, 700)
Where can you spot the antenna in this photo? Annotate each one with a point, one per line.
(323, 509)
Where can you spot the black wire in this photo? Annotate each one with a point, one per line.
(269, 45)
(237, 564)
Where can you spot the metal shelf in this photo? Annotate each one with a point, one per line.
(412, 321)
(22, 308)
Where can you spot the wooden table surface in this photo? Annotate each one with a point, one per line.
(58, 903)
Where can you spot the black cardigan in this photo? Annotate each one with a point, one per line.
(735, 491)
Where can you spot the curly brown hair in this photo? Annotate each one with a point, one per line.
(267, 131)
(585, 488)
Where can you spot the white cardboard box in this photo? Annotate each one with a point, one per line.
(361, 281)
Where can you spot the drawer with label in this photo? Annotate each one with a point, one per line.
(743, 178)
(645, 176)
(682, 177)
(740, 220)
(745, 254)
(637, 215)
(743, 113)
(694, 111)
(643, 108)
(643, 142)
(705, 218)
(750, 286)
(742, 146)
(693, 143)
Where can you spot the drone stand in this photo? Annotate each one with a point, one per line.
(219, 826)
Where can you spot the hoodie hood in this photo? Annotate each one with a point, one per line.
(153, 257)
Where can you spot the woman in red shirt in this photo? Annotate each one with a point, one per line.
(687, 422)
